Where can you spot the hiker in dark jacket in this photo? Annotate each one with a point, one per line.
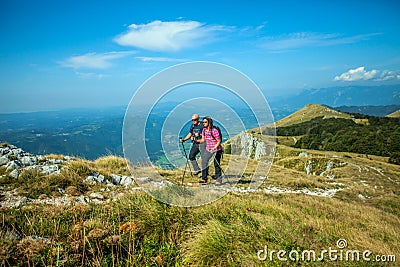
(212, 138)
(195, 135)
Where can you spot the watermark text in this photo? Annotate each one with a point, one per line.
(339, 253)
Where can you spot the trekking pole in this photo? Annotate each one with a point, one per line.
(187, 162)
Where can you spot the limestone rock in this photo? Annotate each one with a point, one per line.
(308, 167)
(28, 160)
(116, 179)
(12, 165)
(14, 174)
(4, 151)
(3, 160)
(82, 199)
(126, 181)
(21, 202)
(55, 161)
(49, 169)
(96, 178)
(101, 178)
(68, 158)
(17, 152)
(96, 196)
(260, 150)
(249, 146)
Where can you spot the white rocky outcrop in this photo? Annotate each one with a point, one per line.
(113, 180)
(49, 169)
(4, 160)
(29, 160)
(249, 146)
(15, 160)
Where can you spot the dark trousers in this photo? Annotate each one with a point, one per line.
(194, 150)
(205, 159)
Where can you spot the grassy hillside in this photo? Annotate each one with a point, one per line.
(378, 136)
(136, 230)
(310, 200)
(395, 114)
(310, 112)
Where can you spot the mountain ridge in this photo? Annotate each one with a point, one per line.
(377, 111)
(381, 95)
(395, 114)
(309, 112)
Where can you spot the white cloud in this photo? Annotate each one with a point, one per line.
(89, 75)
(387, 75)
(296, 40)
(161, 59)
(361, 74)
(356, 74)
(168, 36)
(94, 60)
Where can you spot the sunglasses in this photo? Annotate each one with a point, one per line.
(195, 119)
(205, 121)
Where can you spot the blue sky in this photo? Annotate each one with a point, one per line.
(73, 54)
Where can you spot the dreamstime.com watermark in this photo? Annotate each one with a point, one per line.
(331, 254)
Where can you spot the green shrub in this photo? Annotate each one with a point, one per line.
(379, 138)
(395, 158)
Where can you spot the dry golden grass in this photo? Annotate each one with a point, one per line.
(395, 114)
(287, 140)
(310, 112)
(289, 222)
(370, 180)
(4, 144)
(137, 230)
(111, 164)
(55, 156)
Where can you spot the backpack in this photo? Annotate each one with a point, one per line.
(192, 131)
(220, 136)
(219, 132)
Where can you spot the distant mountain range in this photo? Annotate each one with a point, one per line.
(383, 95)
(379, 111)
